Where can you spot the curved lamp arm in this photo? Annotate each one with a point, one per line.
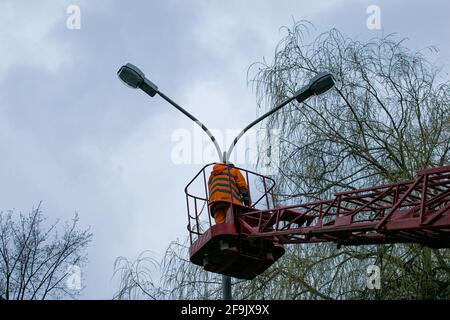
(190, 116)
(319, 84)
(133, 77)
(235, 141)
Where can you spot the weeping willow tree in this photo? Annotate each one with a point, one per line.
(387, 117)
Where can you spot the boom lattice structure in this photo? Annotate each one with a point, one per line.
(415, 211)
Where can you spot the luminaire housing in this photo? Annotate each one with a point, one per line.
(134, 78)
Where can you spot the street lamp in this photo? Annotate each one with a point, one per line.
(319, 84)
(133, 77)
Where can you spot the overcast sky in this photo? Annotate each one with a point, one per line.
(74, 137)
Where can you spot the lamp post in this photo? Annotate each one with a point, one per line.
(133, 77)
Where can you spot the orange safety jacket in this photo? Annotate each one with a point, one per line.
(226, 183)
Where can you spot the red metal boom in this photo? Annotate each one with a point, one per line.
(408, 211)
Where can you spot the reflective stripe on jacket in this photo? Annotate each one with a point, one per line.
(226, 183)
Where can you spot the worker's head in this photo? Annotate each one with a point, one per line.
(218, 167)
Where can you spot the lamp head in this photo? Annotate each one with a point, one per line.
(321, 83)
(134, 78)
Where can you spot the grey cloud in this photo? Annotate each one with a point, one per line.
(72, 135)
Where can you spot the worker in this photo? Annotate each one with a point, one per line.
(226, 185)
